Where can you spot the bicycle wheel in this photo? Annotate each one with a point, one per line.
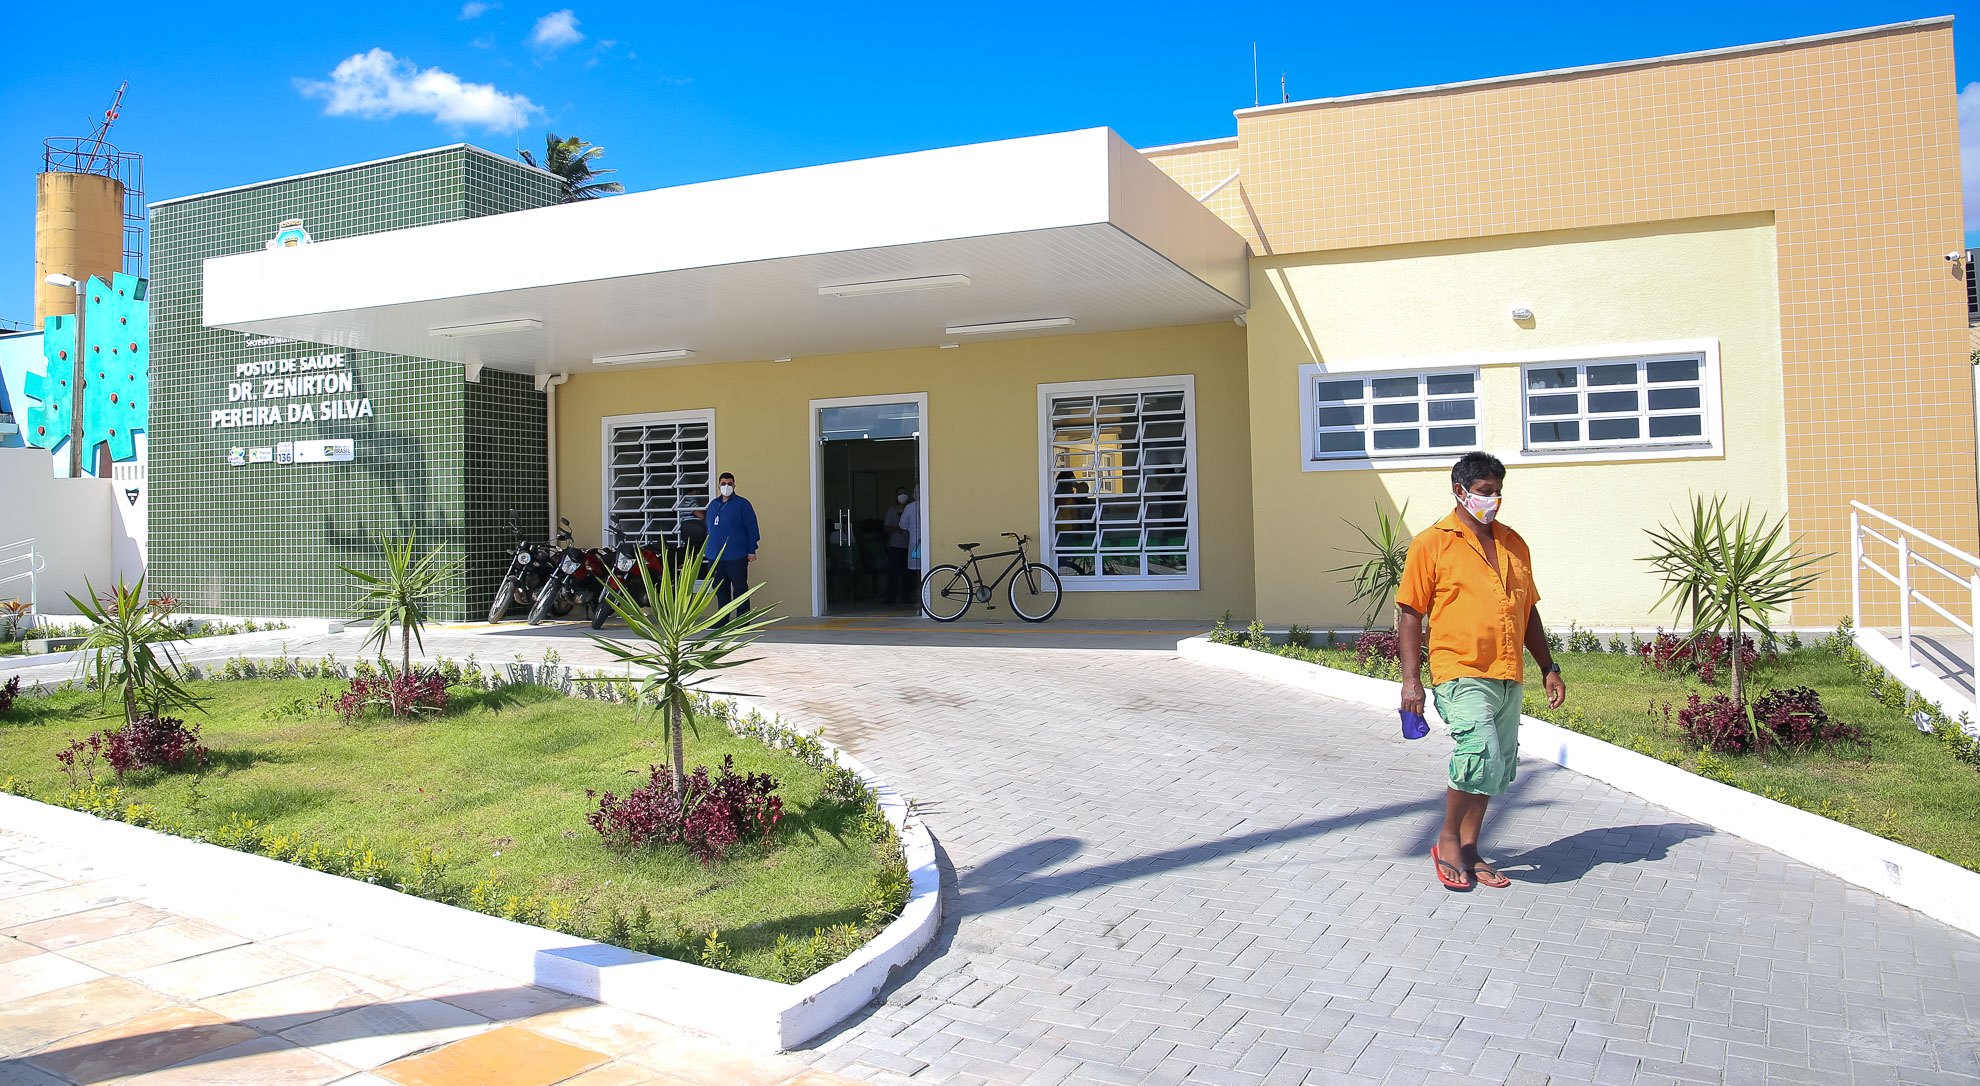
(946, 593)
(1035, 593)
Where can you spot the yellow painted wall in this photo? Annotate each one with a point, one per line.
(982, 426)
(1698, 279)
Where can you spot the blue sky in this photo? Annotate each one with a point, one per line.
(225, 94)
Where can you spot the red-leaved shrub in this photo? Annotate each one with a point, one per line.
(709, 816)
(1719, 725)
(1711, 654)
(1380, 644)
(1781, 718)
(1797, 719)
(403, 694)
(148, 742)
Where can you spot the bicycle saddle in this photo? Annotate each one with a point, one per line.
(969, 546)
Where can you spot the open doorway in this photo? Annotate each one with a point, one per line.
(867, 455)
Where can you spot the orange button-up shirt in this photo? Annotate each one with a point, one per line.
(1477, 615)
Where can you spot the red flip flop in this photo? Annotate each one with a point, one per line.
(1449, 882)
(1485, 874)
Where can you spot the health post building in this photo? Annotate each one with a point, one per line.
(1188, 373)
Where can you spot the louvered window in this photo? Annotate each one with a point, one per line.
(657, 471)
(1119, 486)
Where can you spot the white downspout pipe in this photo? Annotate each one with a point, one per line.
(547, 384)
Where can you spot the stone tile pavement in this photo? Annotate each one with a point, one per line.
(106, 977)
(1164, 873)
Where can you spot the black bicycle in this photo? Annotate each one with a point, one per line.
(947, 591)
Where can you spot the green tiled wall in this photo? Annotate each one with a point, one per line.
(439, 456)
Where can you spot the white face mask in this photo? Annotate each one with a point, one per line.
(902, 498)
(1478, 505)
(727, 490)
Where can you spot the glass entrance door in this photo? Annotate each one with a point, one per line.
(869, 461)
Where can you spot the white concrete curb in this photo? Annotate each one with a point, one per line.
(1941, 890)
(748, 1011)
(190, 648)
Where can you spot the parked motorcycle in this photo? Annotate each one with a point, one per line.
(529, 568)
(617, 566)
(568, 582)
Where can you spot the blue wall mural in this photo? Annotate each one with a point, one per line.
(117, 374)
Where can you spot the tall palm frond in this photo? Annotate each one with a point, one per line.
(683, 641)
(571, 159)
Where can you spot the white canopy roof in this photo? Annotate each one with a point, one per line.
(1075, 225)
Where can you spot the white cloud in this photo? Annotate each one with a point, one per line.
(556, 30)
(379, 85)
(1969, 152)
(475, 9)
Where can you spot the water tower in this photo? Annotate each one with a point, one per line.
(88, 214)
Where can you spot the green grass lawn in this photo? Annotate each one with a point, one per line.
(499, 782)
(11, 648)
(1900, 784)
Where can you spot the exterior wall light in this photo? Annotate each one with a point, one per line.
(1008, 326)
(485, 328)
(893, 286)
(1522, 313)
(642, 356)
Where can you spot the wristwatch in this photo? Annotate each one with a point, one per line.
(1552, 668)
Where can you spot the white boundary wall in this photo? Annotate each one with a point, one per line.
(75, 528)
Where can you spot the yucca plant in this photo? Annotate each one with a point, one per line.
(403, 595)
(1729, 572)
(684, 641)
(128, 650)
(1377, 577)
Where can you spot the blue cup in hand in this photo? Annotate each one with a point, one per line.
(1414, 726)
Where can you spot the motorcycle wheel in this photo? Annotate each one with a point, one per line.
(544, 600)
(600, 611)
(499, 610)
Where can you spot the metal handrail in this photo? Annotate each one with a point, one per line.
(1906, 544)
(35, 563)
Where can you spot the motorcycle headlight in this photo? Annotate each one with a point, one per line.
(522, 559)
(625, 562)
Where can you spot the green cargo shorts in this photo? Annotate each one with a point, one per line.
(1483, 715)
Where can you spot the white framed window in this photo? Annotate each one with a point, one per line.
(1117, 484)
(1587, 404)
(1617, 403)
(656, 472)
(1384, 415)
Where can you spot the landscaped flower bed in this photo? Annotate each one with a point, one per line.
(1863, 761)
(484, 804)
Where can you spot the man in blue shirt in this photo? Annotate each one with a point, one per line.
(732, 540)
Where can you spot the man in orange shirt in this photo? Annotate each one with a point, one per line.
(1472, 577)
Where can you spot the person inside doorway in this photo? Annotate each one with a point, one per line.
(911, 524)
(1472, 578)
(897, 550)
(732, 539)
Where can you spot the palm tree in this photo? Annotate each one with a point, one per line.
(684, 640)
(570, 159)
(1730, 571)
(403, 595)
(129, 649)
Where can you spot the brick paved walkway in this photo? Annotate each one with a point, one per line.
(1165, 873)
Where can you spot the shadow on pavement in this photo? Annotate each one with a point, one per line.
(1574, 856)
